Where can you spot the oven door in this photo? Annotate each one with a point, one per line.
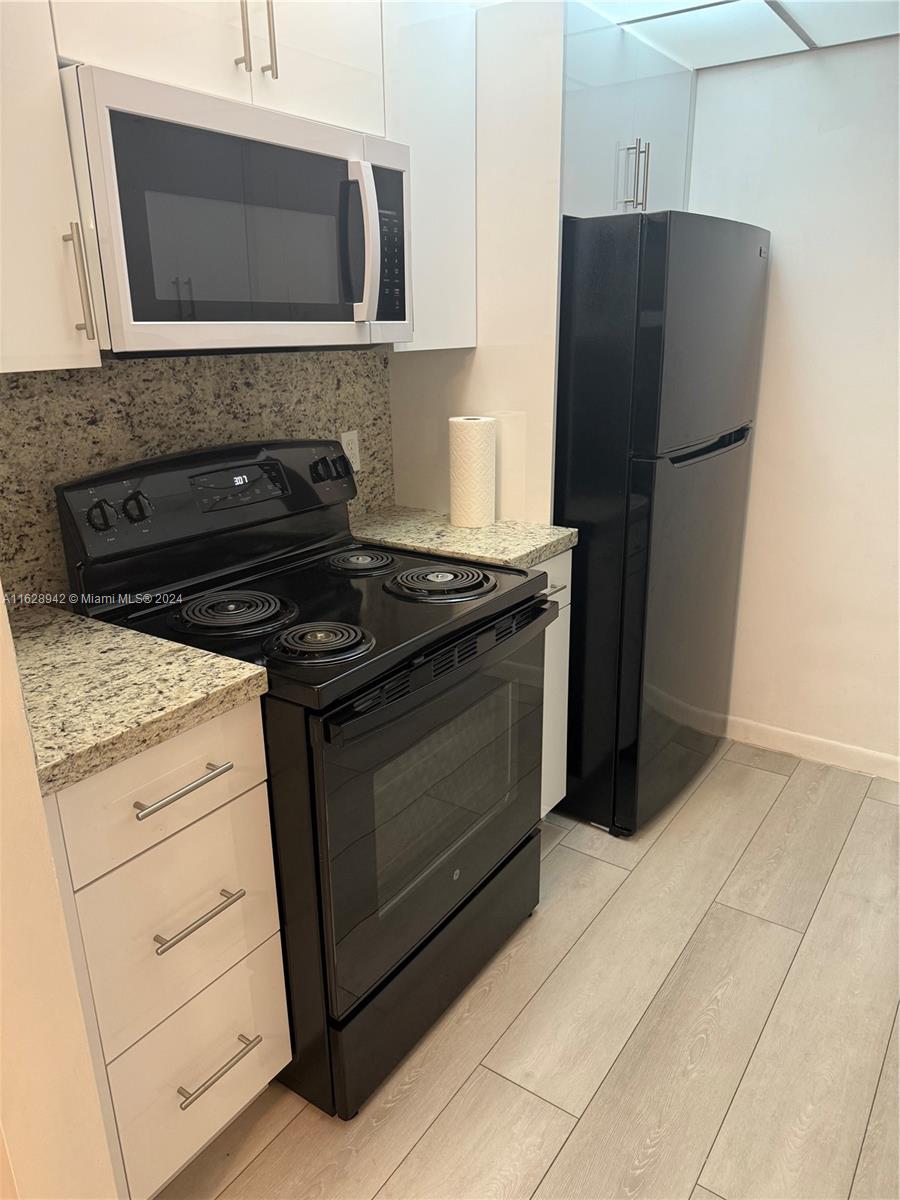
(223, 226)
(419, 801)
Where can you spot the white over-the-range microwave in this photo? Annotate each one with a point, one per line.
(210, 224)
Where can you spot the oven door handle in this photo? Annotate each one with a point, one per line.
(339, 732)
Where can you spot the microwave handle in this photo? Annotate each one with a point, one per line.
(362, 173)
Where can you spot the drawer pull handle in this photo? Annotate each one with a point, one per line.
(165, 944)
(248, 1045)
(212, 772)
(554, 588)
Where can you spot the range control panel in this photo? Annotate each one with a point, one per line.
(183, 496)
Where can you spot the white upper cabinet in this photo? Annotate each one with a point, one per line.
(44, 291)
(192, 45)
(429, 85)
(319, 60)
(626, 121)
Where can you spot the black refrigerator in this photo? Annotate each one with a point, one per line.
(661, 320)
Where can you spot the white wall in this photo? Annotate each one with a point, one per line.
(512, 373)
(806, 145)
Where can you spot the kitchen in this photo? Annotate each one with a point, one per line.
(723, 876)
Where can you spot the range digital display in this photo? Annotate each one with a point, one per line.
(238, 486)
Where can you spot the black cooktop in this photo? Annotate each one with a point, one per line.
(327, 625)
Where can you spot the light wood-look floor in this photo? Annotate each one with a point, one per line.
(706, 1010)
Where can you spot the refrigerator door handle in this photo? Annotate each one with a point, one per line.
(728, 441)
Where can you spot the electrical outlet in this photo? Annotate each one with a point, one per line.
(350, 442)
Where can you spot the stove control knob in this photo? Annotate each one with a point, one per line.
(101, 516)
(341, 466)
(136, 507)
(321, 470)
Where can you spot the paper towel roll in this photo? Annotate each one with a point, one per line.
(473, 455)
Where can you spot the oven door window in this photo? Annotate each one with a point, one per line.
(417, 812)
(222, 228)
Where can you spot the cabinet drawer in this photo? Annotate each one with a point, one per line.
(559, 577)
(137, 980)
(158, 1133)
(99, 819)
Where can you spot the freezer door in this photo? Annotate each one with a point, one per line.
(700, 322)
(685, 535)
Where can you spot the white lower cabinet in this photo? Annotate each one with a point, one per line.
(180, 1084)
(164, 925)
(556, 684)
(174, 931)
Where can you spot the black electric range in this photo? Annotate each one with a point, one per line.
(402, 722)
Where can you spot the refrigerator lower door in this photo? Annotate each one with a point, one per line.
(680, 594)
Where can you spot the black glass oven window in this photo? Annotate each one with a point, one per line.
(420, 812)
(222, 228)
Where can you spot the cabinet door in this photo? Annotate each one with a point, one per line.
(556, 711)
(662, 119)
(328, 60)
(40, 297)
(429, 84)
(192, 45)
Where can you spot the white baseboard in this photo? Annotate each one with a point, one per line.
(771, 737)
(805, 745)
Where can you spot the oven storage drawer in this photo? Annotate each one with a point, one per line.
(239, 1023)
(169, 922)
(196, 771)
(418, 802)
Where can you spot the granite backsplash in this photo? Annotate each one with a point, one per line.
(61, 425)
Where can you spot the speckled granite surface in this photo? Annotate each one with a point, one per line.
(96, 694)
(506, 543)
(60, 425)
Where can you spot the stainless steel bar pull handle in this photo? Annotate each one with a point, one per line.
(164, 944)
(637, 172)
(247, 1044)
(87, 325)
(247, 57)
(212, 772)
(554, 589)
(646, 176)
(273, 45)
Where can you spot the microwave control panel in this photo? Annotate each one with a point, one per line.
(392, 297)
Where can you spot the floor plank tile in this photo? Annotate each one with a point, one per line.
(784, 869)
(319, 1156)
(551, 836)
(887, 790)
(878, 1173)
(796, 1125)
(236, 1146)
(493, 1139)
(568, 1036)
(673, 762)
(766, 760)
(560, 819)
(648, 1129)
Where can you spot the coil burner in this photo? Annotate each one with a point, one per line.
(362, 562)
(235, 614)
(319, 643)
(441, 585)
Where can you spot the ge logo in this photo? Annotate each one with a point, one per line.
(456, 875)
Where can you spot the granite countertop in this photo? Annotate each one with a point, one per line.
(96, 694)
(505, 543)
